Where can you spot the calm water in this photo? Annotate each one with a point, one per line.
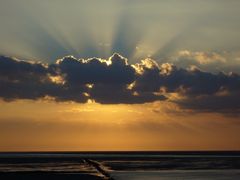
(127, 165)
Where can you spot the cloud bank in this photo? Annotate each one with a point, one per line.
(115, 81)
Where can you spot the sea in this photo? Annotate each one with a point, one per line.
(161, 165)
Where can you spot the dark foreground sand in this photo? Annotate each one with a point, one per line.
(45, 176)
(178, 174)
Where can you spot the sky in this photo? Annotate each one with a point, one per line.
(112, 75)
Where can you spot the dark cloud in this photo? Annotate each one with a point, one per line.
(187, 82)
(196, 89)
(227, 104)
(116, 94)
(71, 79)
(21, 79)
(114, 81)
(109, 79)
(96, 71)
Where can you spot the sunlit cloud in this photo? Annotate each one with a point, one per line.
(207, 60)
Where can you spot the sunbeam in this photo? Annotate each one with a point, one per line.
(98, 29)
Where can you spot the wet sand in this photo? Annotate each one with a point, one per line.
(177, 174)
(120, 165)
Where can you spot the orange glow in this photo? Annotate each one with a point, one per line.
(44, 126)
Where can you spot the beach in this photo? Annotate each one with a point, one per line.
(120, 165)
